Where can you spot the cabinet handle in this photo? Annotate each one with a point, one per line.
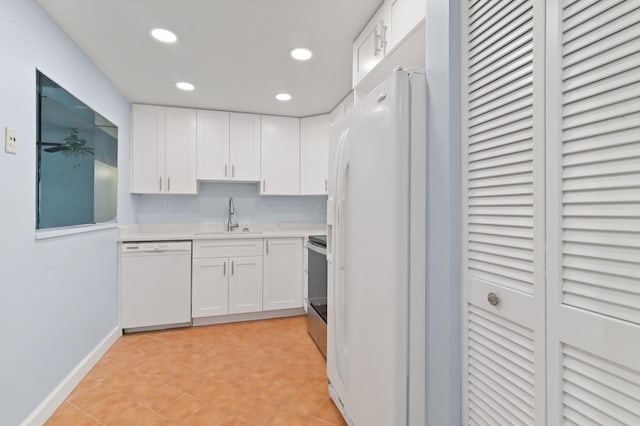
(267, 246)
(169, 184)
(326, 185)
(264, 185)
(383, 37)
(160, 183)
(225, 170)
(233, 269)
(376, 42)
(224, 269)
(233, 170)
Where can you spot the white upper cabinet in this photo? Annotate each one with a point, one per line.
(244, 147)
(213, 145)
(394, 36)
(401, 17)
(369, 47)
(314, 155)
(174, 148)
(228, 146)
(280, 156)
(163, 150)
(148, 149)
(180, 151)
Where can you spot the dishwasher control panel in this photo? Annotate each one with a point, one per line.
(155, 246)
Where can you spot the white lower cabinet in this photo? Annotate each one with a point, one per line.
(227, 277)
(283, 274)
(228, 285)
(245, 284)
(209, 287)
(239, 276)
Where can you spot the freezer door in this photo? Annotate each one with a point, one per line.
(367, 354)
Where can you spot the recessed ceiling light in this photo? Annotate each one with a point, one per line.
(163, 35)
(185, 86)
(283, 97)
(301, 54)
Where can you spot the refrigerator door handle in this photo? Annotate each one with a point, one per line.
(340, 291)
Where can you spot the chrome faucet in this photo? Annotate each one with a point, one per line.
(231, 211)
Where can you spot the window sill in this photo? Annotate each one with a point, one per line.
(61, 232)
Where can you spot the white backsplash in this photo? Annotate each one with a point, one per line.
(210, 206)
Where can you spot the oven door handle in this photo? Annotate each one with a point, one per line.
(320, 250)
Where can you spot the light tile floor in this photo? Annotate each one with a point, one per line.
(250, 373)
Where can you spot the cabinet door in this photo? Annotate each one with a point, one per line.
(245, 284)
(368, 49)
(244, 147)
(593, 212)
(181, 151)
(282, 287)
(314, 155)
(401, 17)
(280, 156)
(213, 145)
(209, 288)
(503, 214)
(147, 149)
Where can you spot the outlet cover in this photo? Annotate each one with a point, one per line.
(10, 140)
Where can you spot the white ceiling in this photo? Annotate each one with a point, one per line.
(236, 52)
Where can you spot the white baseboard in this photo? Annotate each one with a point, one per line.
(157, 327)
(62, 391)
(252, 316)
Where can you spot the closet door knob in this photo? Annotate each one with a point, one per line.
(493, 299)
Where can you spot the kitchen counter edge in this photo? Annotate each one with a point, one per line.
(128, 235)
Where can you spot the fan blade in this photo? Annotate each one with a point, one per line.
(54, 149)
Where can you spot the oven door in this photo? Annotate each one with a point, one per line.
(318, 279)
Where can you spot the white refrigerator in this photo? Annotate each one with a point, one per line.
(376, 256)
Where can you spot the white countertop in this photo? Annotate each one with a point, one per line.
(217, 231)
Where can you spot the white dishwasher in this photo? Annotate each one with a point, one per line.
(155, 284)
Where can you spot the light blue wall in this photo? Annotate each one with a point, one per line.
(58, 298)
(210, 206)
(443, 212)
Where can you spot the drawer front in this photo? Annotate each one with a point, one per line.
(227, 248)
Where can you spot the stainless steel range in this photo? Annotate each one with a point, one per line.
(317, 312)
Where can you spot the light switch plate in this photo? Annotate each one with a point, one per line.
(10, 140)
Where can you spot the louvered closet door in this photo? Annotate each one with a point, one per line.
(503, 212)
(593, 212)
